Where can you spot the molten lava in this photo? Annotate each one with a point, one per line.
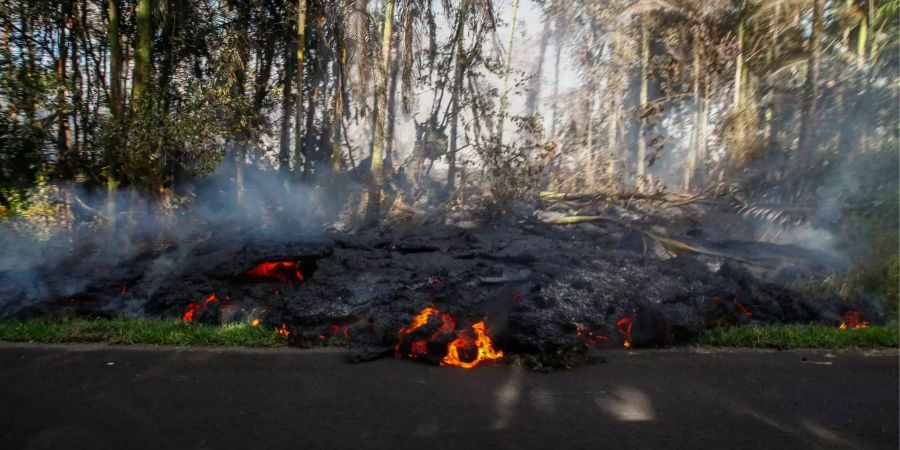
(853, 320)
(484, 348)
(197, 308)
(464, 351)
(283, 271)
(448, 324)
(590, 338)
(623, 326)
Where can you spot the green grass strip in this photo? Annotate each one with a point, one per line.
(139, 331)
(802, 336)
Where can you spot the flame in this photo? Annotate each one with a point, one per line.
(283, 271)
(486, 351)
(853, 320)
(283, 330)
(746, 312)
(254, 323)
(197, 308)
(623, 326)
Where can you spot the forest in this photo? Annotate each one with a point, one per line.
(146, 123)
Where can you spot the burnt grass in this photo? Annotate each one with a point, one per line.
(550, 292)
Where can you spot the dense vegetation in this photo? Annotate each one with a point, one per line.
(790, 105)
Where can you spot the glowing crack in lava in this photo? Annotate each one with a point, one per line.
(283, 271)
(478, 348)
(746, 312)
(590, 338)
(623, 326)
(482, 343)
(853, 320)
(419, 346)
(197, 308)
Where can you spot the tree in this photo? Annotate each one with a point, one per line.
(373, 211)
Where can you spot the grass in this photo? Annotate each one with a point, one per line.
(139, 331)
(176, 332)
(802, 336)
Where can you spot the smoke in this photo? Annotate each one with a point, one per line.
(75, 241)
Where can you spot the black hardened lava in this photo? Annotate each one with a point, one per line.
(540, 289)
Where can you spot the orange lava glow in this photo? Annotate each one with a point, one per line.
(283, 271)
(448, 324)
(623, 326)
(853, 320)
(339, 330)
(197, 308)
(483, 344)
(283, 330)
(746, 312)
(590, 338)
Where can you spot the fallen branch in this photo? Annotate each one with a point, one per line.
(672, 245)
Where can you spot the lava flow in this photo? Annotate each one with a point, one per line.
(623, 326)
(590, 338)
(484, 349)
(463, 351)
(853, 320)
(419, 346)
(283, 271)
(197, 308)
(746, 312)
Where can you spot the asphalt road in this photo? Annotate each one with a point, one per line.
(95, 397)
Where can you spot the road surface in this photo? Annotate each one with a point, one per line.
(97, 397)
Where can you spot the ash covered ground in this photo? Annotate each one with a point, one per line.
(541, 289)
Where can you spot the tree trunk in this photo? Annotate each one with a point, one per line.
(811, 85)
(739, 59)
(337, 121)
(298, 99)
(615, 88)
(504, 95)
(690, 166)
(391, 113)
(284, 142)
(641, 162)
(115, 62)
(373, 211)
(458, 75)
(555, 106)
(62, 114)
(143, 51)
(534, 86)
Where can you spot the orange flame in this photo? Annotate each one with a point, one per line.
(283, 271)
(254, 323)
(623, 326)
(485, 349)
(197, 308)
(853, 320)
(283, 330)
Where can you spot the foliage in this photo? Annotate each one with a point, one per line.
(139, 331)
(802, 336)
